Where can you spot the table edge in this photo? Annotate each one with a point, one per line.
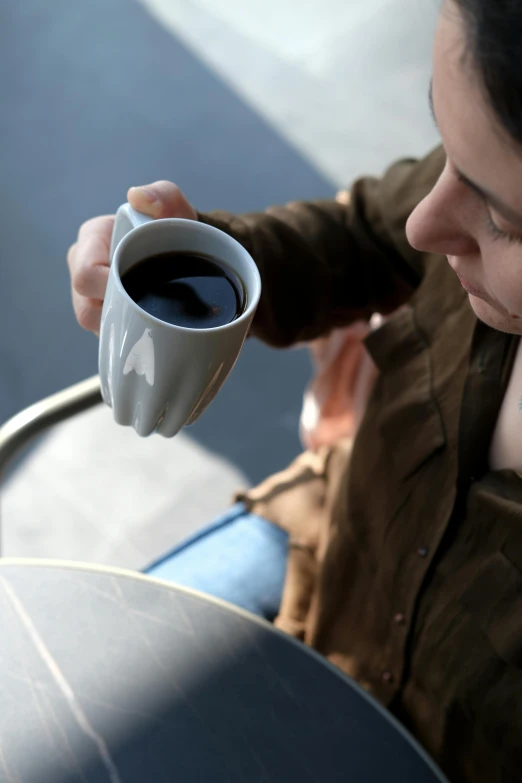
(78, 565)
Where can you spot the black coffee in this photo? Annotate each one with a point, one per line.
(186, 289)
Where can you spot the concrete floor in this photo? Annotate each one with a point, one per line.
(243, 105)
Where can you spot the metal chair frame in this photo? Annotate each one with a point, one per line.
(20, 430)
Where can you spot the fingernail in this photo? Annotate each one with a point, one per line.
(147, 193)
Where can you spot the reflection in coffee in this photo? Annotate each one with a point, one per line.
(186, 289)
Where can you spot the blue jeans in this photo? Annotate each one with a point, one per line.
(240, 558)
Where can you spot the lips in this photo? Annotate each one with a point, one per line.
(467, 286)
(470, 288)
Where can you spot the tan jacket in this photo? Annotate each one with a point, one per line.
(405, 566)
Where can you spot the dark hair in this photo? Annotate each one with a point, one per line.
(494, 29)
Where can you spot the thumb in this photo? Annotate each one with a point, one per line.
(161, 200)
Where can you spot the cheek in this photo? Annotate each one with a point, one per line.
(502, 269)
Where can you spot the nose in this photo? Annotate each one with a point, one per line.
(441, 222)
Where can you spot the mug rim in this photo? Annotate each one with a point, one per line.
(245, 315)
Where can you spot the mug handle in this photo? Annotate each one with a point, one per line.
(127, 218)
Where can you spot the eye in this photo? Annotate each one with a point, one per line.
(497, 233)
(494, 231)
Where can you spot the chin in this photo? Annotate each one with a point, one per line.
(496, 318)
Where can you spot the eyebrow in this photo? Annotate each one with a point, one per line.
(498, 205)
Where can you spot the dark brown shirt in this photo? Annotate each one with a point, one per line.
(405, 567)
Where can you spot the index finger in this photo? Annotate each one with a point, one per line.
(96, 234)
(88, 258)
(101, 225)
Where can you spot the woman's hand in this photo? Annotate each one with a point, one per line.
(88, 258)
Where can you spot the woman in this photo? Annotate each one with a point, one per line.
(404, 552)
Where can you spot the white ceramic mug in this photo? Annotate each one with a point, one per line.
(157, 376)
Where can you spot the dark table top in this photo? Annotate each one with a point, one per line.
(107, 675)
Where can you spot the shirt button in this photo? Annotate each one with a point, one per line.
(387, 677)
(399, 618)
(423, 551)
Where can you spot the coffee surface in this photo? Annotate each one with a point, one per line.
(186, 289)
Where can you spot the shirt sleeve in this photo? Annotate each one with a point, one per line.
(325, 264)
